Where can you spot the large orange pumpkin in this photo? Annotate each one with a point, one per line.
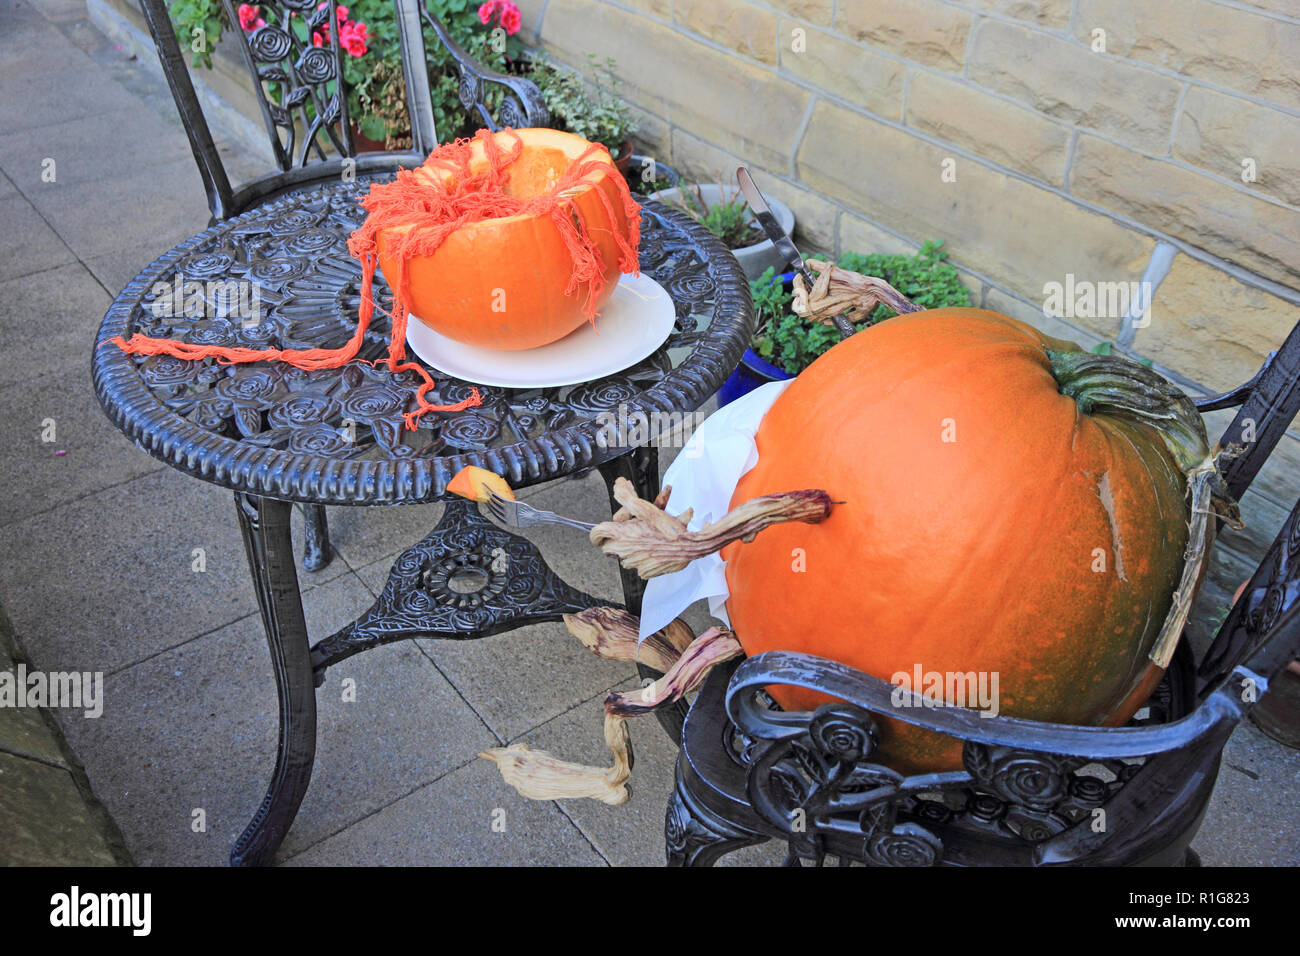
(998, 517)
(507, 282)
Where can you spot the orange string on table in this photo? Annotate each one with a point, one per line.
(535, 216)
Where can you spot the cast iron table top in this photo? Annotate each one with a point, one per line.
(335, 437)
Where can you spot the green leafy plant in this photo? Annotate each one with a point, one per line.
(792, 343)
(198, 24)
(593, 111)
(372, 72)
(730, 220)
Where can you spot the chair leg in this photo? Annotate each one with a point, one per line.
(316, 552)
(696, 837)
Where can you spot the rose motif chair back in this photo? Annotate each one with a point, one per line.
(1028, 793)
(294, 51)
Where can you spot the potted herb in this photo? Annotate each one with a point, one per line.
(723, 211)
(596, 112)
(784, 344)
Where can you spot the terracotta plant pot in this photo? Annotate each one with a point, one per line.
(364, 144)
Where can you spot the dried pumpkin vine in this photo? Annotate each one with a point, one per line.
(650, 541)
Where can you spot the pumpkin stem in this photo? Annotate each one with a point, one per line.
(648, 540)
(1114, 385)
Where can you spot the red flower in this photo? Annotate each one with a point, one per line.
(506, 13)
(248, 17)
(511, 19)
(354, 37)
(317, 39)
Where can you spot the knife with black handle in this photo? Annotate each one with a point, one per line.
(781, 239)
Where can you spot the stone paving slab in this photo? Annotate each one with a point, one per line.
(195, 728)
(105, 581)
(27, 243)
(66, 305)
(467, 818)
(44, 818)
(1252, 818)
(48, 816)
(50, 159)
(95, 455)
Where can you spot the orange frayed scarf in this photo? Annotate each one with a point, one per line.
(435, 210)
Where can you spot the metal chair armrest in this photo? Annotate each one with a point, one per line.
(876, 696)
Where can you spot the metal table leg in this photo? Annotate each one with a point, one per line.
(265, 526)
(316, 545)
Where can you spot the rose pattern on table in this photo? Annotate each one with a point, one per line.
(294, 252)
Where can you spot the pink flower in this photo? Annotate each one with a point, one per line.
(511, 19)
(248, 17)
(506, 13)
(341, 11)
(354, 37)
(317, 39)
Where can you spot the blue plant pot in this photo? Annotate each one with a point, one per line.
(754, 370)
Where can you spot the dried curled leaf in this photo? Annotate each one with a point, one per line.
(611, 633)
(540, 775)
(838, 291)
(652, 542)
(714, 646)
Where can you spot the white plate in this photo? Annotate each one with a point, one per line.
(634, 322)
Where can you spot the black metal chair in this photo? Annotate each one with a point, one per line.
(1030, 793)
(308, 123)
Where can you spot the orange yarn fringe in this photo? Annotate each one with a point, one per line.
(435, 211)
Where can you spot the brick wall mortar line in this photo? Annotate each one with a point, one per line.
(1178, 118)
(799, 135)
(1258, 11)
(541, 20)
(1069, 159)
(975, 22)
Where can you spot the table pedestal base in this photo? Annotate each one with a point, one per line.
(465, 580)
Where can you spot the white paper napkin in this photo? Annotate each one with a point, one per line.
(704, 477)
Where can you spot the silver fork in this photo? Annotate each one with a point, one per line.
(517, 514)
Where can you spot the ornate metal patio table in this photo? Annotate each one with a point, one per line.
(275, 434)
